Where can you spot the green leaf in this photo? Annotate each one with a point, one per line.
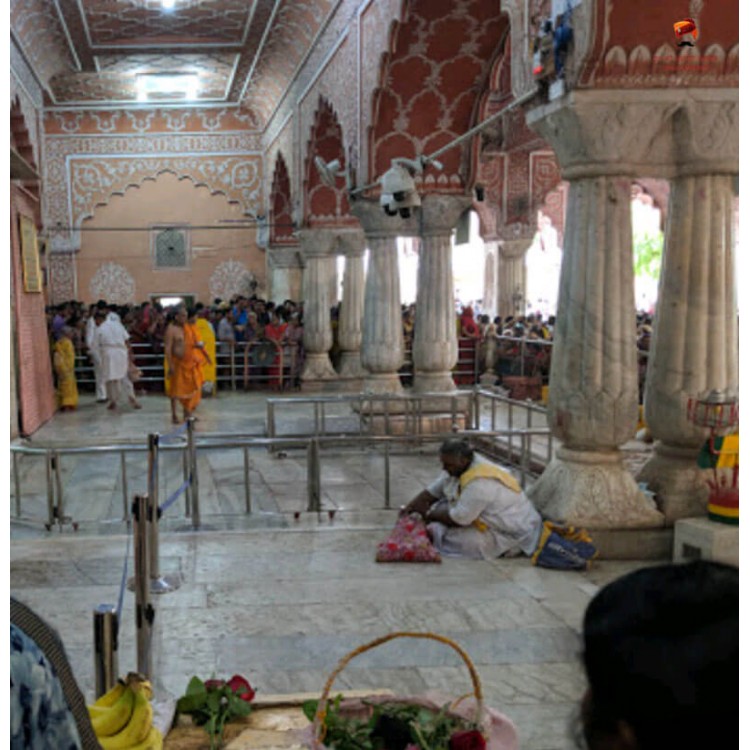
(309, 708)
(196, 687)
(187, 704)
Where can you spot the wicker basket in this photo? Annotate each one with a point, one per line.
(498, 729)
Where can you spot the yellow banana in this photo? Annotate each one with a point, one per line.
(138, 681)
(111, 696)
(153, 741)
(136, 730)
(111, 720)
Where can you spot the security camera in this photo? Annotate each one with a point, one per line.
(398, 191)
(479, 192)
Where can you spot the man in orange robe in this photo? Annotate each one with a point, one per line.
(185, 359)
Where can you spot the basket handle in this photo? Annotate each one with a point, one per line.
(320, 713)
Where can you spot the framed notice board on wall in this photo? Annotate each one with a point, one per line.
(32, 275)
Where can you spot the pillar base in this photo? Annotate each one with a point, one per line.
(673, 474)
(387, 382)
(433, 382)
(592, 489)
(318, 367)
(351, 365)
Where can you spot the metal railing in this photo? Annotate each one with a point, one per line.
(312, 445)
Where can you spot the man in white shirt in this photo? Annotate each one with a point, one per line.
(475, 509)
(101, 386)
(111, 344)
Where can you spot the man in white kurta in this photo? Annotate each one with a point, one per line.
(101, 385)
(111, 344)
(475, 509)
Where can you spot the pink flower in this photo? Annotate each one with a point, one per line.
(469, 739)
(241, 688)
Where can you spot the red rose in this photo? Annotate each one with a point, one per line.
(408, 554)
(392, 546)
(241, 688)
(469, 739)
(214, 684)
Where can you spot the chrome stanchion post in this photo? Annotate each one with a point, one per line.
(50, 492)
(17, 484)
(58, 489)
(248, 499)
(387, 462)
(185, 476)
(125, 504)
(195, 511)
(144, 612)
(106, 627)
(313, 476)
(159, 584)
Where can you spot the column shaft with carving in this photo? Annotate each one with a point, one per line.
(491, 265)
(284, 274)
(382, 329)
(435, 341)
(317, 246)
(593, 396)
(511, 277)
(352, 244)
(694, 344)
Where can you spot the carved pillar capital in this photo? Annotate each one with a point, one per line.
(376, 223)
(440, 213)
(282, 256)
(350, 242)
(644, 132)
(318, 242)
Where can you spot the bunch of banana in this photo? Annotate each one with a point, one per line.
(123, 717)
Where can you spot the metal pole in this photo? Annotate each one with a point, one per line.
(387, 461)
(493, 401)
(106, 627)
(58, 489)
(123, 472)
(454, 415)
(510, 430)
(248, 499)
(523, 356)
(185, 475)
(313, 476)
(144, 612)
(526, 442)
(195, 508)
(17, 484)
(232, 366)
(153, 496)
(476, 409)
(271, 418)
(50, 492)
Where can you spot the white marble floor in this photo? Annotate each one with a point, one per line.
(281, 601)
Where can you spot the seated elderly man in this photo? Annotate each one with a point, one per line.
(475, 509)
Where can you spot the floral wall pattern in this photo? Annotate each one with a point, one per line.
(61, 277)
(231, 277)
(113, 283)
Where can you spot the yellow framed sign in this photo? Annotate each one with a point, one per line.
(32, 275)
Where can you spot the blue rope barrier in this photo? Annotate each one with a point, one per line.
(175, 433)
(123, 582)
(173, 497)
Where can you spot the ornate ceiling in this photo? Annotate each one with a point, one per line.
(125, 53)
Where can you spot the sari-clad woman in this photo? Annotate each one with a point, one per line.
(294, 350)
(64, 360)
(275, 331)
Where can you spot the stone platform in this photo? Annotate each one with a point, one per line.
(704, 539)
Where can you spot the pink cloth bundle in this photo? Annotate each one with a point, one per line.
(408, 542)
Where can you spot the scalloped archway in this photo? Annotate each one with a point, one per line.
(324, 205)
(282, 222)
(442, 56)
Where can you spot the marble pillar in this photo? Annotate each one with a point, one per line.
(601, 140)
(511, 276)
(283, 273)
(317, 246)
(491, 264)
(435, 341)
(694, 346)
(382, 330)
(352, 246)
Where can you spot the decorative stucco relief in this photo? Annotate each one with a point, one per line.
(30, 116)
(282, 145)
(172, 149)
(338, 85)
(113, 282)
(375, 37)
(61, 277)
(93, 181)
(230, 278)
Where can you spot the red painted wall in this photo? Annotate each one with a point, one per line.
(34, 375)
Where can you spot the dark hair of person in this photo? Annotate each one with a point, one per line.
(191, 312)
(661, 652)
(457, 447)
